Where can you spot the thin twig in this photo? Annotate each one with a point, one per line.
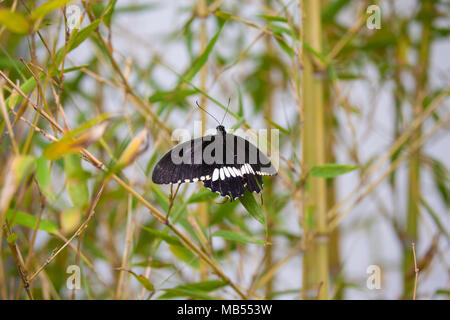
(416, 270)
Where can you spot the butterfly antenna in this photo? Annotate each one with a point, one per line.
(196, 102)
(228, 106)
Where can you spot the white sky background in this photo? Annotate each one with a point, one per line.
(139, 35)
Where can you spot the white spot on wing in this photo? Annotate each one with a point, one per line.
(222, 175)
(227, 173)
(215, 175)
(232, 172)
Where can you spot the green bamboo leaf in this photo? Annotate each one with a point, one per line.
(434, 216)
(440, 175)
(331, 170)
(163, 236)
(223, 15)
(276, 125)
(43, 177)
(272, 18)
(201, 196)
(317, 54)
(194, 294)
(12, 238)
(70, 219)
(76, 38)
(139, 8)
(22, 167)
(73, 141)
(444, 292)
(174, 96)
(252, 207)
(46, 7)
(29, 221)
(185, 255)
(286, 48)
(76, 180)
(14, 21)
(201, 60)
(197, 290)
(332, 8)
(30, 84)
(142, 280)
(157, 264)
(234, 236)
(109, 12)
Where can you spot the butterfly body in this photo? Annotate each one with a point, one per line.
(225, 163)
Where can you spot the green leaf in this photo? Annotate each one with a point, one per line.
(223, 15)
(12, 238)
(22, 167)
(173, 96)
(163, 236)
(142, 280)
(76, 38)
(272, 18)
(76, 180)
(252, 207)
(332, 8)
(276, 125)
(444, 292)
(318, 55)
(201, 60)
(74, 140)
(30, 85)
(14, 21)
(286, 48)
(434, 216)
(29, 221)
(109, 12)
(45, 8)
(194, 294)
(201, 196)
(331, 170)
(70, 219)
(43, 177)
(441, 174)
(197, 290)
(234, 236)
(186, 256)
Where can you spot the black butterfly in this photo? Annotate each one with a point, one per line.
(225, 163)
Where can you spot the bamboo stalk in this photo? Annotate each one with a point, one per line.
(415, 161)
(315, 262)
(202, 12)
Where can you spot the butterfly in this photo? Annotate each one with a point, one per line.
(225, 163)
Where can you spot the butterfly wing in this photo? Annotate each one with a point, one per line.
(181, 164)
(226, 164)
(243, 166)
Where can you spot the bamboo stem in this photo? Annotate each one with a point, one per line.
(415, 161)
(315, 262)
